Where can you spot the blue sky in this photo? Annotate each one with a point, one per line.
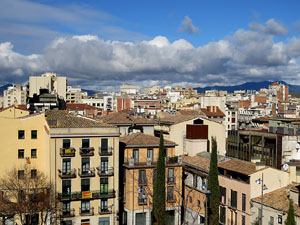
(102, 44)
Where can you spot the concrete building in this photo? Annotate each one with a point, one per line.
(84, 168)
(129, 89)
(140, 154)
(48, 81)
(16, 93)
(96, 102)
(73, 95)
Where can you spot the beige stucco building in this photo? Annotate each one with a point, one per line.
(48, 81)
(16, 93)
(84, 168)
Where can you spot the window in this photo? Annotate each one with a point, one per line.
(33, 153)
(85, 206)
(199, 204)
(233, 199)
(279, 219)
(85, 184)
(21, 153)
(104, 205)
(136, 155)
(66, 166)
(104, 221)
(140, 218)
(171, 175)
(223, 195)
(21, 174)
(104, 185)
(66, 188)
(150, 154)
(244, 202)
(243, 220)
(21, 134)
(104, 144)
(271, 222)
(85, 165)
(142, 177)
(222, 215)
(34, 134)
(66, 143)
(85, 143)
(33, 173)
(190, 198)
(104, 164)
(166, 152)
(142, 199)
(66, 208)
(154, 175)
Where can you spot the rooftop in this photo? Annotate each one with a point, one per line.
(62, 119)
(141, 139)
(125, 118)
(76, 106)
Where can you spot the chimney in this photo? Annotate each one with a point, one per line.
(292, 172)
(259, 165)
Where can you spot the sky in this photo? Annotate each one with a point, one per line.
(101, 45)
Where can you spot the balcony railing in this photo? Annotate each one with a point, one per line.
(67, 174)
(68, 212)
(105, 171)
(87, 151)
(74, 196)
(105, 151)
(171, 180)
(86, 212)
(87, 172)
(104, 210)
(174, 160)
(67, 152)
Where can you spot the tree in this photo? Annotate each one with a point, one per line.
(159, 192)
(29, 194)
(290, 220)
(213, 186)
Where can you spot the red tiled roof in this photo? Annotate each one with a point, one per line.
(77, 106)
(212, 111)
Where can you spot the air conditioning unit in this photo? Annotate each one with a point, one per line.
(149, 161)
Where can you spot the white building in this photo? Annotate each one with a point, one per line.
(15, 93)
(129, 89)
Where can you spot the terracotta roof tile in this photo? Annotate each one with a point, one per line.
(76, 106)
(141, 139)
(198, 161)
(279, 199)
(240, 166)
(212, 111)
(125, 118)
(62, 119)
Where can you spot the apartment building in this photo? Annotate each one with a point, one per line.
(48, 81)
(238, 185)
(139, 153)
(16, 93)
(73, 95)
(84, 168)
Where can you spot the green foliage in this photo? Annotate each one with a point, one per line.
(290, 220)
(159, 192)
(213, 186)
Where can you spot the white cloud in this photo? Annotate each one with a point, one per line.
(188, 27)
(272, 27)
(90, 61)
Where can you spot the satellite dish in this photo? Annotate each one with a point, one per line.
(285, 167)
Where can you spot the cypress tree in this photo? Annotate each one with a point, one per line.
(290, 220)
(159, 192)
(213, 186)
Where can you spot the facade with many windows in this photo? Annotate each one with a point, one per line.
(86, 162)
(139, 153)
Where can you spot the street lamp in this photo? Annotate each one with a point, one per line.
(207, 193)
(263, 188)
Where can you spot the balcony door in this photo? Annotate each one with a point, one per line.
(66, 187)
(85, 165)
(104, 185)
(66, 143)
(104, 164)
(104, 145)
(66, 166)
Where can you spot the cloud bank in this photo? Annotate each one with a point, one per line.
(247, 55)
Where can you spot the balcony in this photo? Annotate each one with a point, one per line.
(105, 151)
(171, 180)
(87, 172)
(173, 160)
(67, 152)
(102, 172)
(67, 174)
(79, 195)
(87, 151)
(67, 213)
(104, 210)
(86, 212)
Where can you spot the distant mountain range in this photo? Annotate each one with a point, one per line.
(4, 87)
(249, 86)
